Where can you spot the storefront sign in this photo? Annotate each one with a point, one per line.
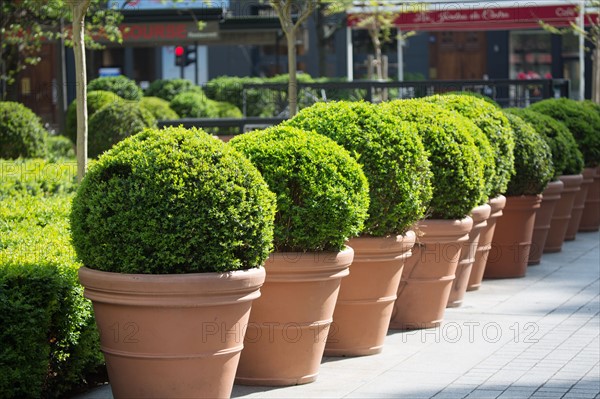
(459, 16)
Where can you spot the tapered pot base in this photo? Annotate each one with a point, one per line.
(562, 213)
(543, 217)
(590, 219)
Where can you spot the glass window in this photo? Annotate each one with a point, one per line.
(530, 55)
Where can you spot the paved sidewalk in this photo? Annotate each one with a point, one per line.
(537, 337)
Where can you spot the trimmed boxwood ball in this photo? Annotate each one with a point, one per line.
(566, 157)
(581, 120)
(474, 94)
(122, 86)
(21, 132)
(494, 125)
(113, 123)
(193, 105)
(391, 154)
(322, 192)
(167, 89)
(172, 201)
(533, 160)
(159, 108)
(456, 164)
(95, 101)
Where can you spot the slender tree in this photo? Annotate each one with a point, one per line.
(285, 10)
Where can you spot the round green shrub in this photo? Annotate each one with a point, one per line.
(322, 192)
(167, 89)
(391, 154)
(494, 125)
(474, 94)
(259, 102)
(113, 123)
(456, 164)
(172, 201)
(95, 101)
(566, 157)
(227, 110)
(120, 85)
(533, 160)
(59, 147)
(159, 108)
(21, 132)
(581, 120)
(193, 105)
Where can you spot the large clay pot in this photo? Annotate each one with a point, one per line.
(364, 307)
(579, 205)
(171, 336)
(543, 217)
(480, 215)
(512, 239)
(562, 213)
(427, 277)
(590, 219)
(289, 324)
(485, 243)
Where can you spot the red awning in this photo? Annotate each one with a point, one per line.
(461, 17)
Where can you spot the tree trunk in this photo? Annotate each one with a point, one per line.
(79, 9)
(293, 83)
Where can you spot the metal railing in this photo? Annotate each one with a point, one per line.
(506, 92)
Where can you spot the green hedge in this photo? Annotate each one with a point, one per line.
(159, 108)
(193, 105)
(172, 201)
(457, 167)
(582, 120)
(566, 157)
(533, 160)
(494, 125)
(113, 123)
(95, 101)
(167, 89)
(391, 154)
(322, 192)
(21, 132)
(120, 85)
(49, 338)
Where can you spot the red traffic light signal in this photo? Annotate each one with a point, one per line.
(182, 56)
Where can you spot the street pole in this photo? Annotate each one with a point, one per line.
(581, 23)
(349, 55)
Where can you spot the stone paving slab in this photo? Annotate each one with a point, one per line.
(537, 337)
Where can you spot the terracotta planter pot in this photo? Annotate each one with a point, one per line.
(590, 219)
(289, 324)
(485, 243)
(579, 205)
(512, 240)
(562, 213)
(427, 277)
(364, 307)
(172, 336)
(543, 217)
(480, 215)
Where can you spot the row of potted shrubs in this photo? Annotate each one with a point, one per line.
(327, 202)
(177, 202)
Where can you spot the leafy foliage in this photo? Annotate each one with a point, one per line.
(95, 101)
(21, 132)
(121, 85)
(533, 160)
(391, 154)
(322, 193)
(566, 157)
(172, 201)
(193, 105)
(167, 89)
(583, 122)
(159, 108)
(230, 89)
(49, 339)
(494, 125)
(113, 123)
(457, 166)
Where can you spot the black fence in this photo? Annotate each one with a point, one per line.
(273, 96)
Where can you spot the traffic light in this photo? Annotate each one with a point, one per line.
(182, 56)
